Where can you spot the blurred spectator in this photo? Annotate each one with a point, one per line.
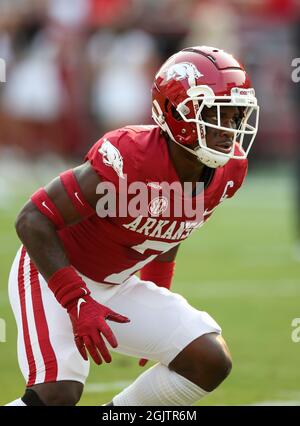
(42, 108)
(296, 98)
(124, 63)
(168, 21)
(32, 97)
(104, 13)
(76, 68)
(266, 46)
(41, 101)
(214, 24)
(69, 14)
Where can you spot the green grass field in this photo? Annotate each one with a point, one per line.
(239, 267)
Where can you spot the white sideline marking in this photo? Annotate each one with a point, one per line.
(104, 387)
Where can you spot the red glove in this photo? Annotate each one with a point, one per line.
(88, 321)
(87, 316)
(143, 362)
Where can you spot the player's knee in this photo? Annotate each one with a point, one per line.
(212, 356)
(219, 363)
(65, 393)
(206, 361)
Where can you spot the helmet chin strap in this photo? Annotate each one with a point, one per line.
(206, 157)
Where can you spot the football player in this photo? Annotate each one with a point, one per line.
(72, 286)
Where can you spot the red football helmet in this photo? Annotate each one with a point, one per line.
(203, 77)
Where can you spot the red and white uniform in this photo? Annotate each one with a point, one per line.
(108, 251)
(105, 248)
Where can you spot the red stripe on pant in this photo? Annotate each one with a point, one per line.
(46, 348)
(28, 348)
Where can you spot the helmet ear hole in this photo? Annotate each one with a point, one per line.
(169, 106)
(175, 113)
(166, 104)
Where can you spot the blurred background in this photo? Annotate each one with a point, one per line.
(78, 68)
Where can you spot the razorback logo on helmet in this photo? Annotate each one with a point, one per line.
(181, 71)
(112, 157)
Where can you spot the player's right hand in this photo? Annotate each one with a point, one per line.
(88, 318)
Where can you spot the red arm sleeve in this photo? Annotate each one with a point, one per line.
(161, 273)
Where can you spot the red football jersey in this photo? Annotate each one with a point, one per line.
(110, 249)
